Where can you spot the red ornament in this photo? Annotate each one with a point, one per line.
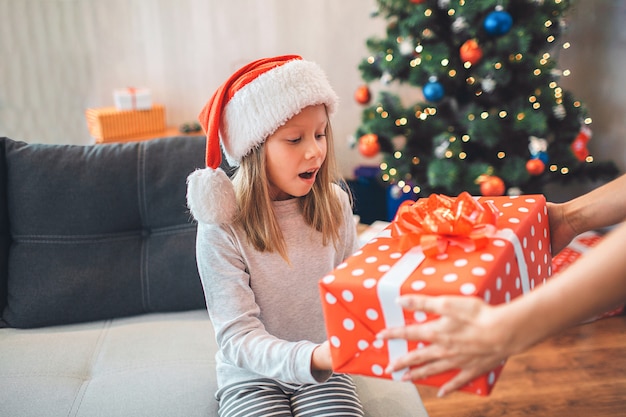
(362, 95)
(579, 146)
(471, 52)
(492, 186)
(417, 1)
(368, 145)
(535, 166)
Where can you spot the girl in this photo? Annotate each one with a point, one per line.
(265, 239)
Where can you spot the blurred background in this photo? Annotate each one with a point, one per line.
(60, 57)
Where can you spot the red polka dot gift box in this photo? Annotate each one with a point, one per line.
(495, 248)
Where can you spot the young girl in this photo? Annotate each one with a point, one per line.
(266, 238)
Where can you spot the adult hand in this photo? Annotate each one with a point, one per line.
(561, 230)
(468, 335)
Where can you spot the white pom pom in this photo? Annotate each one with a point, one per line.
(211, 196)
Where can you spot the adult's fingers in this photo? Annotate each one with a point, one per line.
(457, 382)
(413, 358)
(429, 369)
(455, 306)
(424, 332)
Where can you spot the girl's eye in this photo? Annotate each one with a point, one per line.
(296, 140)
(320, 136)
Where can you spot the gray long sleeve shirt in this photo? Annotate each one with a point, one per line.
(267, 314)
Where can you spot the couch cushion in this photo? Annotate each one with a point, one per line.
(100, 231)
(159, 364)
(4, 229)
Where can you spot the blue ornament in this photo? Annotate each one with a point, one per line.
(498, 23)
(433, 91)
(543, 156)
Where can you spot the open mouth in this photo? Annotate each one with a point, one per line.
(308, 175)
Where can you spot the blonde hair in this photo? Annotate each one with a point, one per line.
(321, 207)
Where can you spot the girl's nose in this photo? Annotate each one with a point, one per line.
(314, 148)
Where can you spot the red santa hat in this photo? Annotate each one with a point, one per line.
(251, 105)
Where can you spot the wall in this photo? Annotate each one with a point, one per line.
(62, 56)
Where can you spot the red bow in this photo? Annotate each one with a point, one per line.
(438, 221)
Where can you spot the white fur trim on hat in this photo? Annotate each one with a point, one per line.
(211, 196)
(266, 103)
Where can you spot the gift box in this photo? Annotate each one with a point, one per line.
(107, 124)
(495, 248)
(576, 248)
(132, 98)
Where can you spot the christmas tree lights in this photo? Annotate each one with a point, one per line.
(489, 114)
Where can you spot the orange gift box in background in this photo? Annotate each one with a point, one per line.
(496, 262)
(108, 124)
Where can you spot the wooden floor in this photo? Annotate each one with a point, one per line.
(581, 372)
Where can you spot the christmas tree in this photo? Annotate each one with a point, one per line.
(489, 115)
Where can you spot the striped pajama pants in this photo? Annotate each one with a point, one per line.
(269, 398)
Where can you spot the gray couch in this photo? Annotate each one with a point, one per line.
(102, 308)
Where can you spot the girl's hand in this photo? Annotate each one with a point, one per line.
(321, 359)
(467, 336)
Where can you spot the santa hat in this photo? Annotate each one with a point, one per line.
(251, 105)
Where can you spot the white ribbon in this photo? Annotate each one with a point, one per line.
(388, 290)
(389, 285)
(509, 235)
(578, 247)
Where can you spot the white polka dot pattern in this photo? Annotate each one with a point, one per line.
(354, 312)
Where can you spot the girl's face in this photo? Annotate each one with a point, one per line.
(295, 153)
